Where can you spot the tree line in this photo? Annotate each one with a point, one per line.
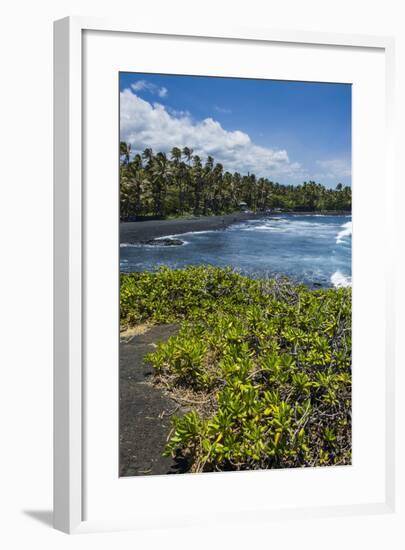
(157, 184)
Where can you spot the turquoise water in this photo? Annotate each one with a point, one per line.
(313, 249)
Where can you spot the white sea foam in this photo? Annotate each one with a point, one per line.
(145, 245)
(346, 231)
(339, 280)
(165, 237)
(305, 248)
(288, 226)
(191, 233)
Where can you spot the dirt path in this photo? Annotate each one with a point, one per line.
(144, 409)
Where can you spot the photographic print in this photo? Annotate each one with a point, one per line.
(235, 274)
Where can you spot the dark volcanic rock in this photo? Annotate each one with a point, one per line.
(167, 241)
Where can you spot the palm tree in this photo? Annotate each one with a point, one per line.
(188, 153)
(148, 155)
(227, 193)
(197, 182)
(153, 183)
(217, 175)
(178, 174)
(176, 154)
(208, 184)
(125, 151)
(160, 176)
(137, 183)
(263, 191)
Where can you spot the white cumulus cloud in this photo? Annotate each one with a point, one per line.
(140, 85)
(145, 124)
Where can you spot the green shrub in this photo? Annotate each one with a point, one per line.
(274, 357)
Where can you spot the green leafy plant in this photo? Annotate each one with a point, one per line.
(272, 358)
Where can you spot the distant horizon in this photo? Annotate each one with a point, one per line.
(286, 131)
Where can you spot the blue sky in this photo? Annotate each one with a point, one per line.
(286, 131)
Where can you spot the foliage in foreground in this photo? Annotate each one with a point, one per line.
(273, 361)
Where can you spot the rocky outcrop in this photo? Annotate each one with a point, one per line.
(167, 241)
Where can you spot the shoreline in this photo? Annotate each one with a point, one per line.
(135, 232)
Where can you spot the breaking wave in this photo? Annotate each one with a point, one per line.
(339, 280)
(346, 231)
(315, 250)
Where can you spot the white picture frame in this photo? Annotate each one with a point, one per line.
(70, 211)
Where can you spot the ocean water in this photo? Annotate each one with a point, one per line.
(313, 249)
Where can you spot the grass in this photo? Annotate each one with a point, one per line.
(265, 364)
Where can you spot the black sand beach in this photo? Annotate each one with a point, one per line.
(133, 232)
